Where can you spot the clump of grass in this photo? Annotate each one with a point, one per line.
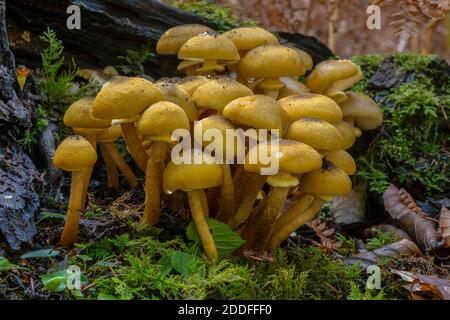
(381, 239)
(222, 16)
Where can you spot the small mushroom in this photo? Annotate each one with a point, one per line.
(347, 132)
(171, 41)
(333, 77)
(294, 158)
(316, 133)
(78, 117)
(217, 93)
(269, 63)
(124, 99)
(342, 159)
(313, 106)
(291, 87)
(363, 110)
(158, 123)
(173, 93)
(191, 83)
(74, 154)
(215, 50)
(193, 179)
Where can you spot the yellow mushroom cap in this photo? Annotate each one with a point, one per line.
(316, 133)
(271, 61)
(307, 59)
(342, 73)
(223, 128)
(363, 109)
(171, 41)
(326, 182)
(189, 177)
(74, 153)
(110, 135)
(78, 115)
(247, 38)
(257, 111)
(180, 97)
(311, 105)
(292, 156)
(291, 87)
(209, 47)
(160, 120)
(217, 93)
(347, 132)
(191, 83)
(342, 159)
(124, 97)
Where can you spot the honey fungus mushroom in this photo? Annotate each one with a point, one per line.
(213, 50)
(158, 123)
(74, 154)
(123, 99)
(268, 63)
(360, 110)
(333, 77)
(171, 41)
(193, 179)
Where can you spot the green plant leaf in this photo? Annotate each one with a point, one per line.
(43, 253)
(106, 296)
(55, 281)
(185, 263)
(5, 265)
(84, 257)
(166, 264)
(225, 238)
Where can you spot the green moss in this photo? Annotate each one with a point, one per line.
(222, 16)
(412, 149)
(369, 64)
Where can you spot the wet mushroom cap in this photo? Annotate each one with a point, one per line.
(161, 119)
(209, 47)
(342, 159)
(327, 182)
(257, 111)
(171, 41)
(316, 133)
(247, 38)
(347, 132)
(217, 93)
(79, 115)
(342, 73)
(292, 156)
(363, 109)
(223, 127)
(179, 96)
(189, 177)
(74, 153)
(191, 83)
(124, 97)
(271, 61)
(311, 105)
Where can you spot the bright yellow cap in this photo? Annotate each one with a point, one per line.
(74, 153)
(363, 109)
(326, 182)
(180, 97)
(247, 38)
(191, 83)
(342, 159)
(209, 47)
(78, 115)
(171, 41)
(124, 97)
(110, 135)
(347, 132)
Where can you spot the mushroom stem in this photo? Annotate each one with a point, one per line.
(204, 201)
(153, 181)
(114, 153)
(251, 228)
(226, 205)
(195, 204)
(274, 205)
(271, 93)
(133, 142)
(254, 184)
(302, 211)
(69, 234)
(111, 170)
(87, 172)
(209, 67)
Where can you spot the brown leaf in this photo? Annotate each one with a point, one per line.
(349, 208)
(419, 283)
(444, 226)
(328, 241)
(402, 208)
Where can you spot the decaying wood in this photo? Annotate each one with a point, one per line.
(444, 226)
(18, 198)
(403, 209)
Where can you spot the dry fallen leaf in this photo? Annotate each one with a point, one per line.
(444, 226)
(327, 236)
(402, 207)
(419, 283)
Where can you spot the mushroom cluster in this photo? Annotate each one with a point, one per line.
(242, 81)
